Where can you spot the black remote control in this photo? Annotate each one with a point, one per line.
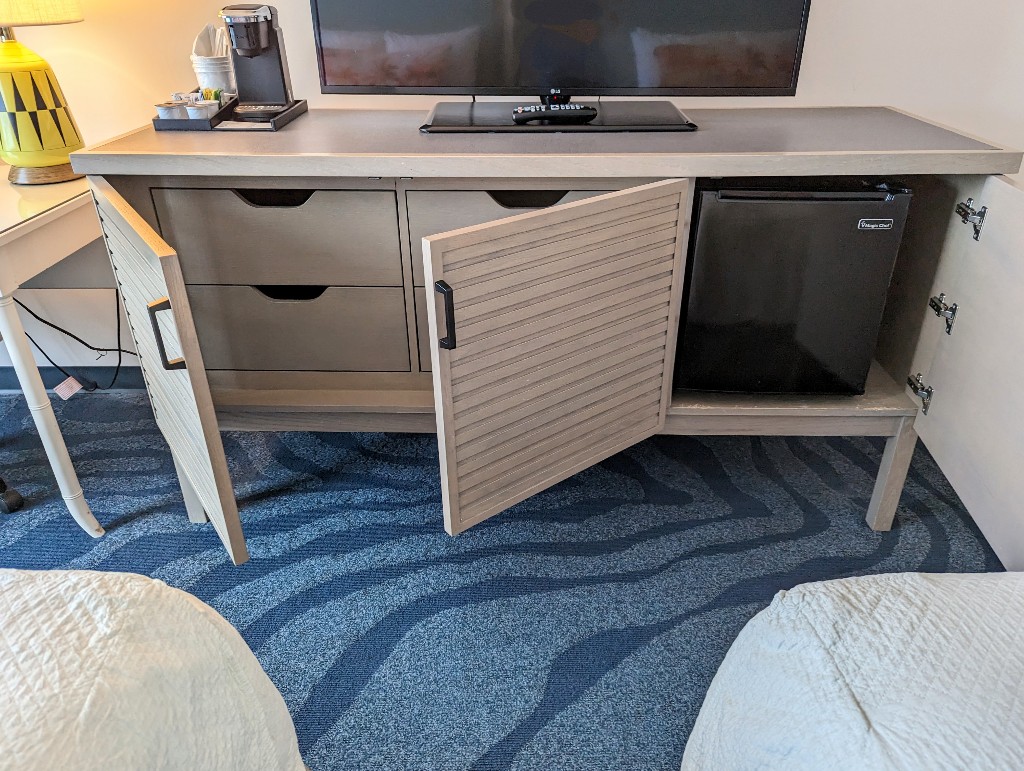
(554, 113)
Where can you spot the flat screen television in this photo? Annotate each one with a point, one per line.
(531, 48)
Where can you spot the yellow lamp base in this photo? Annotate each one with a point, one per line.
(42, 175)
(37, 131)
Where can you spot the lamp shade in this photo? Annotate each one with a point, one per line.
(27, 13)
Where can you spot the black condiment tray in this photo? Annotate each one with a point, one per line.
(226, 112)
(196, 124)
(283, 118)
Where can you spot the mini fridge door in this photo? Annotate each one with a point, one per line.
(787, 289)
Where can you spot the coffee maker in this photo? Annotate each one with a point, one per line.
(261, 68)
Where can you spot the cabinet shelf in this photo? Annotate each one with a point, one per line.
(875, 413)
(325, 410)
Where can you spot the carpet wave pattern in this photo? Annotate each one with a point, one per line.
(578, 630)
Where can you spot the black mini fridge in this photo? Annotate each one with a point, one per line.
(787, 286)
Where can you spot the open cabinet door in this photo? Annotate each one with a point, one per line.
(974, 427)
(153, 292)
(552, 341)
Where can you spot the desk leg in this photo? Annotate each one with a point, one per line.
(892, 475)
(13, 334)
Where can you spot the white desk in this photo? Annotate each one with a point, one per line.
(39, 227)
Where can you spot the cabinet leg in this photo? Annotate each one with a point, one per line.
(13, 334)
(892, 474)
(194, 507)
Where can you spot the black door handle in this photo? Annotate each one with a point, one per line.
(163, 304)
(449, 314)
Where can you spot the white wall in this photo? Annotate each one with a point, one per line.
(962, 65)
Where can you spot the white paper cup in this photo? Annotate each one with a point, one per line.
(214, 72)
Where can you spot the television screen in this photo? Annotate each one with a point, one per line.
(592, 47)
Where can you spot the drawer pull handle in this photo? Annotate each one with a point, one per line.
(527, 199)
(448, 293)
(163, 304)
(294, 293)
(271, 197)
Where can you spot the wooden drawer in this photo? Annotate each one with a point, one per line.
(327, 237)
(437, 211)
(343, 329)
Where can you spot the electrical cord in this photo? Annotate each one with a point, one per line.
(75, 337)
(90, 385)
(87, 384)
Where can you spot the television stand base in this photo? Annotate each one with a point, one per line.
(496, 117)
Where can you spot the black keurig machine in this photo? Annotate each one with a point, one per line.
(261, 68)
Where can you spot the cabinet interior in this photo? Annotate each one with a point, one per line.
(362, 395)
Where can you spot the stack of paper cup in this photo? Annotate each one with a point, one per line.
(214, 72)
(211, 61)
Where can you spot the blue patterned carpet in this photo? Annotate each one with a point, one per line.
(578, 631)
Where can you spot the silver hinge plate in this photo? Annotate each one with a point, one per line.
(923, 392)
(970, 216)
(944, 311)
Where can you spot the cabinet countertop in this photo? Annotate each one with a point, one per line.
(730, 142)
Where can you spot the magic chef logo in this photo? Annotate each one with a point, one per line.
(875, 225)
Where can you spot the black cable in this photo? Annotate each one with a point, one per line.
(120, 350)
(60, 368)
(89, 385)
(73, 336)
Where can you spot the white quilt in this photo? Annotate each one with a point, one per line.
(903, 671)
(112, 671)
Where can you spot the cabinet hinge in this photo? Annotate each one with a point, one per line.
(943, 311)
(923, 392)
(965, 211)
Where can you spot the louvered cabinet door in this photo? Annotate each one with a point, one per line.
(552, 341)
(153, 292)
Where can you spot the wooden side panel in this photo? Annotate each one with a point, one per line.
(975, 428)
(566, 322)
(147, 269)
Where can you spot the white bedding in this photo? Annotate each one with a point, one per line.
(907, 671)
(118, 671)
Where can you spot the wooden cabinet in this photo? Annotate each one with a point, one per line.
(559, 324)
(564, 322)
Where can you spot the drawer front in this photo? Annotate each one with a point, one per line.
(344, 329)
(331, 237)
(437, 211)
(422, 328)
